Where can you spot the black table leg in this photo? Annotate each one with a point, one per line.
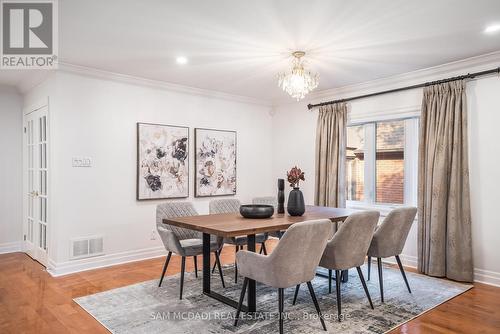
(206, 277)
(252, 291)
(321, 273)
(206, 263)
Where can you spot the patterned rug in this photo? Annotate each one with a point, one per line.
(145, 308)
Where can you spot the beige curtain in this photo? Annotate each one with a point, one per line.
(330, 155)
(444, 226)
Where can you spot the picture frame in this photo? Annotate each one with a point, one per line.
(215, 162)
(162, 161)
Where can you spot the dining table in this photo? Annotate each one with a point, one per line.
(227, 225)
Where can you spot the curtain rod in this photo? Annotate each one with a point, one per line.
(461, 77)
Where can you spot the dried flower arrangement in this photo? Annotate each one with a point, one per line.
(294, 176)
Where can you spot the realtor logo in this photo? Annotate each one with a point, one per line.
(28, 34)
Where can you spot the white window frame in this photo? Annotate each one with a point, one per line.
(410, 165)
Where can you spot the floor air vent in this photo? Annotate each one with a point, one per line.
(86, 247)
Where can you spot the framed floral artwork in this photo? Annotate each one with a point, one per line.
(162, 161)
(215, 162)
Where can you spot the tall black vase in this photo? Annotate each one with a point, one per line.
(296, 205)
(281, 196)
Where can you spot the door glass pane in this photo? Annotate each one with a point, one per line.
(40, 243)
(44, 236)
(355, 160)
(30, 132)
(44, 128)
(43, 209)
(44, 155)
(30, 230)
(390, 162)
(40, 129)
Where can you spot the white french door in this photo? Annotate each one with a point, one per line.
(36, 184)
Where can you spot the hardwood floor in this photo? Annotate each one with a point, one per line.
(31, 301)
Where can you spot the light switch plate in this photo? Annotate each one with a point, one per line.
(82, 162)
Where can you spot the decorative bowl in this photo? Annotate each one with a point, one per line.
(257, 211)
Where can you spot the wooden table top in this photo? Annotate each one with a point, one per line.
(233, 224)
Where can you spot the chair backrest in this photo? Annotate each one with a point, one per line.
(297, 254)
(391, 235)
(267, 200)
(172, 210)
(348, 247)
(227, 205)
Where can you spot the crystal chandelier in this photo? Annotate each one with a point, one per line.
(298, 82)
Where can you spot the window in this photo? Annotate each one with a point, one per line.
(381, 160)
(390, 144)
(355, 163)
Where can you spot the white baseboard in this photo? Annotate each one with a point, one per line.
(487, 277)
(406, 260)
(70, 267)
(11, 247)
(480, 275)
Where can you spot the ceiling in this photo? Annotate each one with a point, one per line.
(239, 46)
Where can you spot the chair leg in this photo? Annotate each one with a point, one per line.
(296, 294)
(329, 281)
(361, 277)
(240, 303)
(215, 265)
(339, 302)
(236, 265)
(403, 272)
(380, 278)
(369, 266)
(183, 268)
(195, 259)
(316, 305)
(281, 307)
(165, 268)
(217, 261)
(263, 247)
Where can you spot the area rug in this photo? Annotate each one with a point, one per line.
(146, 308)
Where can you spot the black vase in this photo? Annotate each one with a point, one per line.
(296, 205)
(281, 196)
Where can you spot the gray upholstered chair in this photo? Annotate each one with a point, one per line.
(389, 240)
(181, 241)
(347, 249)
(232, 205)
(266, 200)
(269, 200)
(293, 261)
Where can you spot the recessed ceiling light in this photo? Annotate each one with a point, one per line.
(492, 28)
(181, 60)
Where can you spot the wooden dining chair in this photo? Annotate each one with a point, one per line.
(389, 240)
(292, 262)
(181, 241)
(347, 249)
(232, 205)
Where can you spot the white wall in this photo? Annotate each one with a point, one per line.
(294, 130)
(484, 137)
(97, 118)
(10, 170)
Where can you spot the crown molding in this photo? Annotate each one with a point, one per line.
(129, 79)
(464, 66)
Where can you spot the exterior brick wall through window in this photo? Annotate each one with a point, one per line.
(389, 162)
